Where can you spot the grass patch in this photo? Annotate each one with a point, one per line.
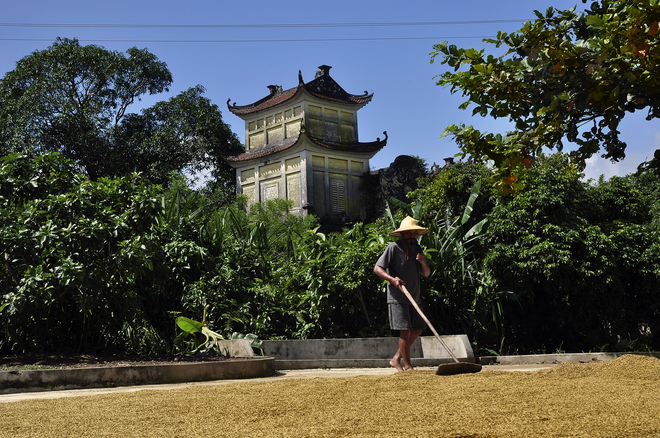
(25, 367)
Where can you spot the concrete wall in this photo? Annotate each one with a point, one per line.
(102, 377)
(363, 352)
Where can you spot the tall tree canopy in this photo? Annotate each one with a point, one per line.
(566, 76)
(75, 100)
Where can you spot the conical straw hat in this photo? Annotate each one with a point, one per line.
(409, 224)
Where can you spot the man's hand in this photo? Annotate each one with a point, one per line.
(421, 259)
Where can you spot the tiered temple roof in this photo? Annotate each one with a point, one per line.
(322, 86)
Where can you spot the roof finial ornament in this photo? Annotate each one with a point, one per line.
(324, 70)
(274, 89)
(300, 79)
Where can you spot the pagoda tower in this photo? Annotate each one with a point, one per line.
(301, 144)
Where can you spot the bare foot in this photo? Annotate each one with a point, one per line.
(410, 368)
(395, 363)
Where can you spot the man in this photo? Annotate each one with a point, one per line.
(401, 264)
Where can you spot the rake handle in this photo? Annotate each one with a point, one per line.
(426, 320)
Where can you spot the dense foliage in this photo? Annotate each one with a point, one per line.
(574, 266)
(74, 255)
(565, 76)
(76, 100)
(109, 265)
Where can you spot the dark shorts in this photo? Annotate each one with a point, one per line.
(404, 317)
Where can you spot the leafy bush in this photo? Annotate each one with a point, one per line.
(110, 265)
(567, 263)
(75, 253)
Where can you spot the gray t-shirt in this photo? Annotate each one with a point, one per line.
(407, 268)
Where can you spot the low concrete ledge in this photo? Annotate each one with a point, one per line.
(304, 364)
(103, 377)
(363, 352)
(529, 359)
(458, 344)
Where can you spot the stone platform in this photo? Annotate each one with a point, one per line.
(363, 352)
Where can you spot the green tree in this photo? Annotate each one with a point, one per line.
(626, 209)
(566, 76)
(76, 99)
(184, 133)
(563, 267)
(75, 257)
(451, 187)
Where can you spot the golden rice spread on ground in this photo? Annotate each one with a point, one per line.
(618, 398)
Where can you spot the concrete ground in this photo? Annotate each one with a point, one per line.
(280, 374)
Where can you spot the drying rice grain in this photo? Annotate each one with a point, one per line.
(611, 398)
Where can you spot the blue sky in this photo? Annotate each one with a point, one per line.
(235, 49)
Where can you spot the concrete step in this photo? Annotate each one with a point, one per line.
(102, 377)
(363, 352)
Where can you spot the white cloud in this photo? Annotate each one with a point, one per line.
(597, 166)
(635, 155)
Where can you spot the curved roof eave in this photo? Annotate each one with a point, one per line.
(262, 152)
(368, 147)
(321, 87)
(358, 148)
(265, 103)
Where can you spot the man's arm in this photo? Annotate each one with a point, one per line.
(421, 259)
(382, 273)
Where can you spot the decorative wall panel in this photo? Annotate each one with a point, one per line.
(318, 161)
(336, 164)
(293, 192)
(293, 164)
(257, 139)
(270, 190)
(270, 170)
(275, 134)
(247, 176)
(319, 193)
